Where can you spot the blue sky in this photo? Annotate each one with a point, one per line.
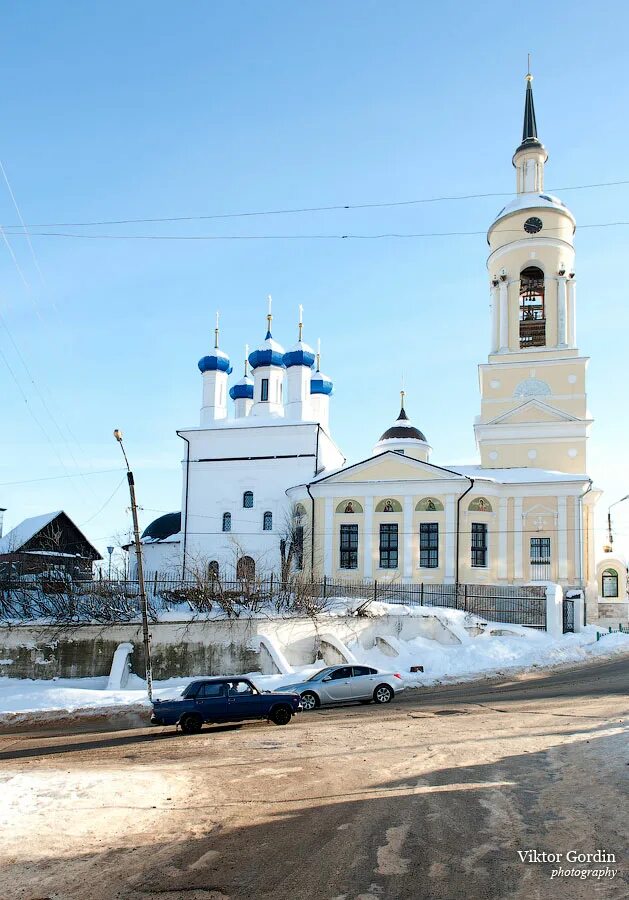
(145, 110)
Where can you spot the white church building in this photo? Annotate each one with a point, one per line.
(270, 472)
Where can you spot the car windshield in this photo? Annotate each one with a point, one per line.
(319, 675)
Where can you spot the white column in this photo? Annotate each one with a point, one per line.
(572, 313)
(450, 548)
(328, 536)
(494, 319)
(578, 554)
(562, 332)
(562, 537)
(504, 317)
(368, 538)
(517, 538)
(409, 538)
(503, 533)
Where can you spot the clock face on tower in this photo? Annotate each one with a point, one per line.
(533, 225)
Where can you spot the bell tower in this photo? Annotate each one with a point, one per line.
(533, 397)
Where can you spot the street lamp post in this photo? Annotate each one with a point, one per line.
(110, 550)
(138, 554)
(610, 536)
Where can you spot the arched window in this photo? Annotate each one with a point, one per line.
(247, 500)
(480, 504)
(213, 569)
(267, 521)
(610, 583)
(532, 309)
(245, 569)
(388, 506)
(227, 521)
(348, 507)
(429, 504)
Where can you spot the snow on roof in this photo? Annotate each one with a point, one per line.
(523, 475)
(533, 201)
(18, 536)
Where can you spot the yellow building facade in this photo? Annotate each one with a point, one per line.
(525, 514)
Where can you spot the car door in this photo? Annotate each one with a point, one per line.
(211, 701)
(337, 685)
(363, 682)
(244, 701)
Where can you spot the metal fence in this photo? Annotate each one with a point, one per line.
(118, 600)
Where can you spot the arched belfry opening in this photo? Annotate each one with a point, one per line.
(532, 308)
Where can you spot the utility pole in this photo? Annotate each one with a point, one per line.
(138, 554)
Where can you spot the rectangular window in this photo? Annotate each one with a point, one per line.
(388, 546)
(349, 546)
(479, 544)
(264, 389)
(429, 545)
(540, 550)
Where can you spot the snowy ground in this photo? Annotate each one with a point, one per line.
(490, 653)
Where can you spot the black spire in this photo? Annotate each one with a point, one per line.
(529, 129)
(530, 125)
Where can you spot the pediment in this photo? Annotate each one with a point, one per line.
(533, 411)
(390, 466)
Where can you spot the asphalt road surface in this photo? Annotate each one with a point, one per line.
(430, 797)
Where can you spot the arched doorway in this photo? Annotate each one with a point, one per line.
(245, 569)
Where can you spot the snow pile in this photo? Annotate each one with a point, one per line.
(468, 647)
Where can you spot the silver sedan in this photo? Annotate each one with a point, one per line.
(340, 684)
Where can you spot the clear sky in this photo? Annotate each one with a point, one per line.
(144, 110)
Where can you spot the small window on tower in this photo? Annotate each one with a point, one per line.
(264, 389)
(247, 500)
(532, 311)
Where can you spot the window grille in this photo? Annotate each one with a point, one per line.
(227, 521)
(479, 544)
(247, 500)
(388, 546)
(429, 545)
(267, 521)
(349, 547)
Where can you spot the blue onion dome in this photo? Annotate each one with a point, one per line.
(300, 355)
(321, 384)
(270, 353)
(216, 361)
(242, 390)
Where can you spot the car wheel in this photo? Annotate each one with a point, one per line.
(309, 701)
(281, 715)
(191, 724)
(383, 694)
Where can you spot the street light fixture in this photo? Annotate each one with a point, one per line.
(110, 550)
(138, 554)
(610, 536)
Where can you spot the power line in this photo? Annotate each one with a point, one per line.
(308, 209)
(21, 218)
(57, 477)
(106, 503)
(392, 235)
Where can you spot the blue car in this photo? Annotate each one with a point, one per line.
(231, 699)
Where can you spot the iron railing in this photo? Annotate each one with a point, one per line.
(119, 600)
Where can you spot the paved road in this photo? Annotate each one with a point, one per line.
(431, 797)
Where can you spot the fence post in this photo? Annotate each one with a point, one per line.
(421, 594)
(271, 589)
(465, 597)
(325, 586)
(375, 589)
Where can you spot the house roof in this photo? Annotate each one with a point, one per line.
(19, 536)
(22, 533)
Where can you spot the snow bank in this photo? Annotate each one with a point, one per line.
(483, 649)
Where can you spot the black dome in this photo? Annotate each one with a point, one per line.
(163, 527)
(403, 431)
